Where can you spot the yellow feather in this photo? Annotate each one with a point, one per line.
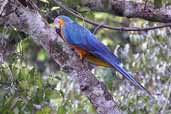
(96, 61)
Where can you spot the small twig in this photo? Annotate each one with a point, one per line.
(145, 4)
(110, 27)
(97, 28)
(79, 15)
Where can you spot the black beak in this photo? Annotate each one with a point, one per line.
(58, 31)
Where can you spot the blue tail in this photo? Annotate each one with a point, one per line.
(128, 76)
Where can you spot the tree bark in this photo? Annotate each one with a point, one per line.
(130, 9)
(29, 21)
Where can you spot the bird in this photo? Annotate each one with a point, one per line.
(88, 47)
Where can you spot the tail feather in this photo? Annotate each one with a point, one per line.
(129, 77)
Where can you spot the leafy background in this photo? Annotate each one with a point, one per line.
(31, 82)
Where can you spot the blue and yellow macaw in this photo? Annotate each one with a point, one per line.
(88, 47)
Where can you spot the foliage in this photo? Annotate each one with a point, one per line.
(30, 81)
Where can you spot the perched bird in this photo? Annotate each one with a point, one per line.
(88, 47)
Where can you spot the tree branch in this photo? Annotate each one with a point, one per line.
(110, 27)
(130, 9)
(31, 22)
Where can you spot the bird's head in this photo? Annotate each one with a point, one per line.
(60, 21)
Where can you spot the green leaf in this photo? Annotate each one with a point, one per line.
(45, 110)
(62, 110)
(42, 55)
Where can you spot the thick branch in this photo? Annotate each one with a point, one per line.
(130, 9)
(31, 22)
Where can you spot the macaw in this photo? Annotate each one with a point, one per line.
(88, 47)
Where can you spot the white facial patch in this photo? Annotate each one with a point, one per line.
(56, 23)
